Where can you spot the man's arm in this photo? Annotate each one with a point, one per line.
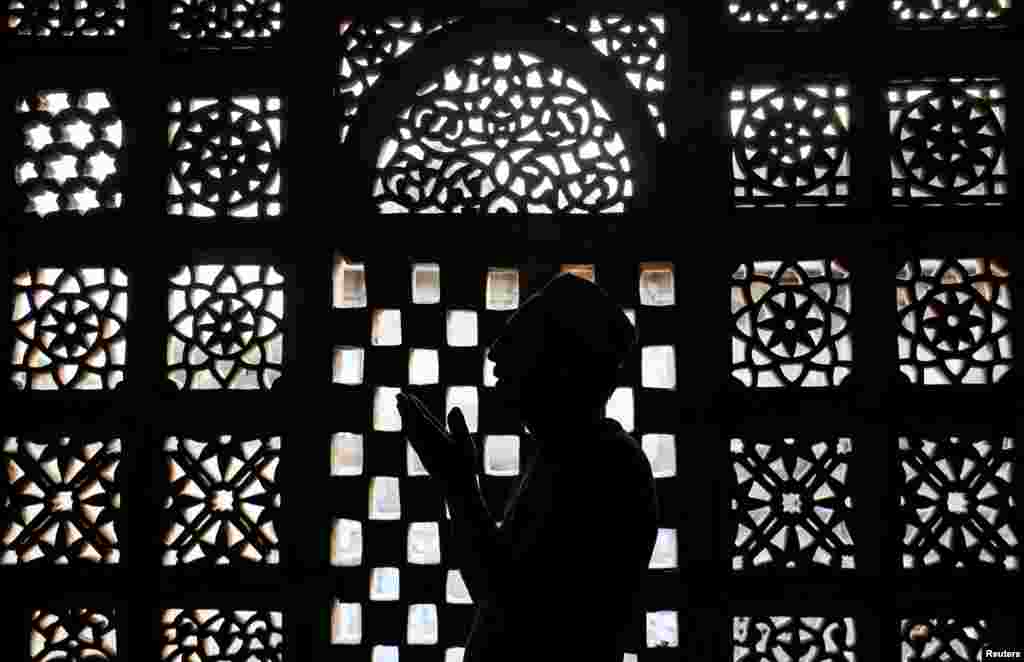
(475, 537)
(488, 555)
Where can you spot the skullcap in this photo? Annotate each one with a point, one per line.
(584, 312)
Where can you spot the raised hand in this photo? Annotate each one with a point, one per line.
(450, 456)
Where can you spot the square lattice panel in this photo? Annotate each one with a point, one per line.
(426, 327)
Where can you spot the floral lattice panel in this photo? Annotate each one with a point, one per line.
(370, 46)
(787, 638)
(226, 327)
(790, 145)
(217, 635)
(931, 12)
(242, 22)
(73, 635)
(66, 18)
(791, 324)
(504, 132)
(948, 141)
(954, 321)
(787, 12)
(225, 157)
(945, 639)
(224, 500)
(70, 158)
(637, 45)
(957, 502)
(69, 328)
(62, 501)
(791, 503)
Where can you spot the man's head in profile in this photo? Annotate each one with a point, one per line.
(560, 352)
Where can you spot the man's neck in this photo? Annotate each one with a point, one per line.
(552, 426)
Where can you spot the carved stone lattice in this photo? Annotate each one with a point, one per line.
(948, 141)
(70, 159)
(242, 21)
(637, 44)
(787, 12)
(790, 145)
(954, 321)
(62, 501)
(224, 500)
(949, 11)
(69, 328)
(791, 504)
(66, 18)
(791, 323)
(216, 635)
(226, 327)
(226, 159)
(786, 638)
(957, 503)
(504, 133)
(946, 639)
(368, 47)
(73, 635)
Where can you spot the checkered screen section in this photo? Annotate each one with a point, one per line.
(426, 327)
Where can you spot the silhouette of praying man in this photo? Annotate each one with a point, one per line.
(564, 571)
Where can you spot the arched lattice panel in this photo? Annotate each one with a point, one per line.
(504, 132)
(637, 44)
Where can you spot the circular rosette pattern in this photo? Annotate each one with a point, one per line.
(949, 141)
(791, 323)
(954, 318)
(69, 328)
(791, 143)
(226, 327)
(226, 157)
(504, 133)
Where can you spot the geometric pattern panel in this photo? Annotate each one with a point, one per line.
(948, 141)
(786, 638)
(226, 327)
(774, 13)
(954, 321)
(69, 162)
(69, 328)
(220, 635)
(425, 327)
(948, 12)
(72, 635)
(66, 18)
(636, 45)
(225, 157)
(957, 503)
(504, 133)
(942, 639)
(241, 22)
(790, 145)
(369, 47)
(62, 501)
(224, 500)
(791, 323)
(792, 504)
